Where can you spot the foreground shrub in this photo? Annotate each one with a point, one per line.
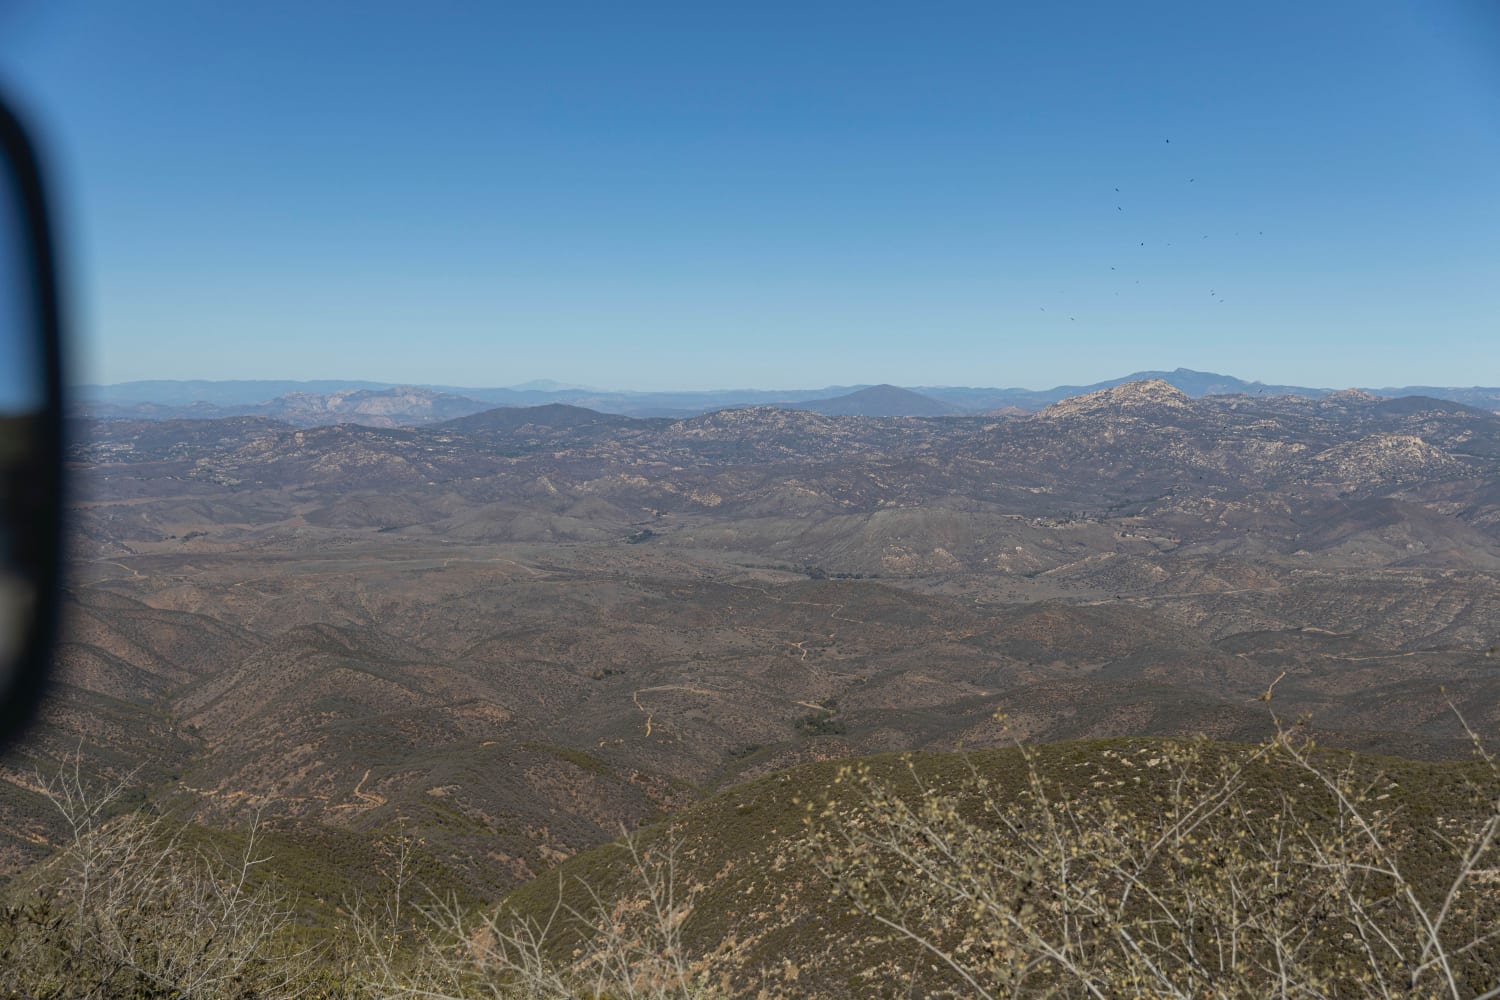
(126, 909)
(627, 948)
(1124, 868)
(1175, 870)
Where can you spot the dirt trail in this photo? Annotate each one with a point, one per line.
(635, 697)
(364, 796)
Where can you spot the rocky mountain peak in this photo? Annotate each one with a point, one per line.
(1151, 393)
(1344, 397)
(1385, 457)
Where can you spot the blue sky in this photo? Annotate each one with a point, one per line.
(774, 195)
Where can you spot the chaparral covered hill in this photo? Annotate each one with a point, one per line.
(517, 629)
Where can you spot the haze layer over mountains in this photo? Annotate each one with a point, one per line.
(385, 405)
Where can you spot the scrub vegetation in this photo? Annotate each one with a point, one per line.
(1129, 867)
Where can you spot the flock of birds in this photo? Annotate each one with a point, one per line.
(1213, 293)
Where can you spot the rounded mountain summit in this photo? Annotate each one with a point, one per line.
(880, 401)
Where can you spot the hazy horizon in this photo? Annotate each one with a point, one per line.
(540, 384)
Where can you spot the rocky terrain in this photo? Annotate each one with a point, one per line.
(518, 628)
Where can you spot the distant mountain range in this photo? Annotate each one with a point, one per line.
(881, 401)
(384, 405)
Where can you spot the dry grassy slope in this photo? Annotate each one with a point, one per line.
(614, 697)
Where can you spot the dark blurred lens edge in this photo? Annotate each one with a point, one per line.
(30, 676)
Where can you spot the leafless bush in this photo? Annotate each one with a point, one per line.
(127, 909)
(1177, 869)
(627, 948)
